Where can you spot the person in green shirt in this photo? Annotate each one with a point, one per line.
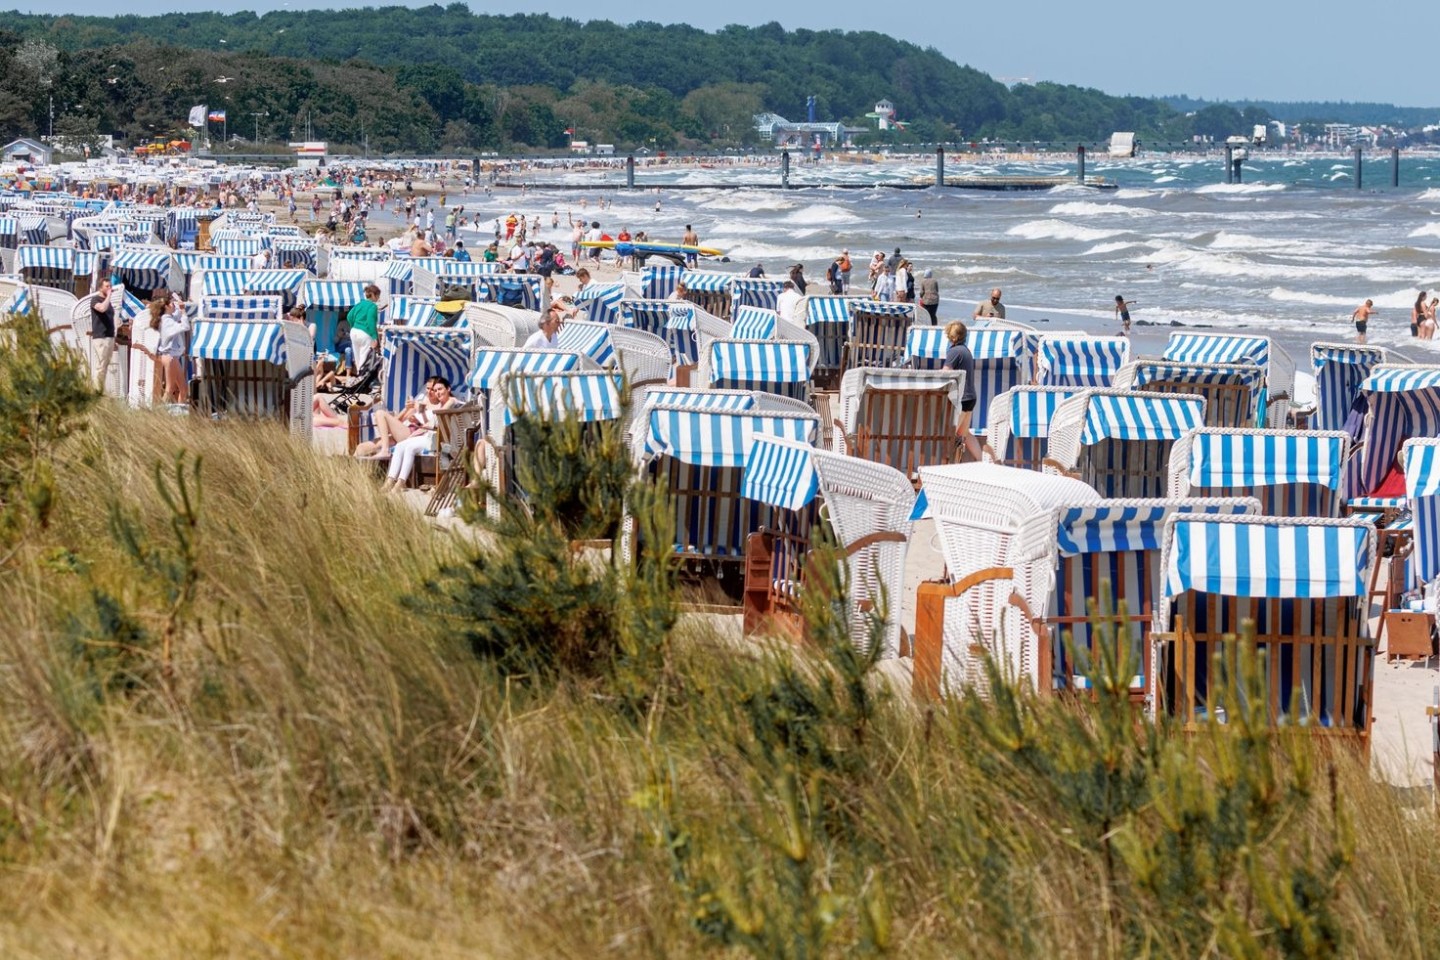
(491, 254)
(364, 320)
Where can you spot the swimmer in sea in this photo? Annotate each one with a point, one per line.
(1362, 316)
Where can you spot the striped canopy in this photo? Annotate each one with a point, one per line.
(412, 356)
(752, 323)
(602, 300)
(881, 308)
(527, 285)
(85, 261)
(1402, 379)
(1404, 402)
(926, 346)
(1339, 371)
(593, 341)
(191, 262)
(446, 267)
(658, 282)
(238, 340)
(680, 316)
(9, 226)
(413, 311)
(826, 310)
(296, 253)
(490, 364)
(1080, 361)
(756, 292)
(242, 308)
(719, 438)
(360, 253)
(1268, 557)
(589, 395)
(152, 260)
(759, 361)
(1422, 468)
(993, 344)
(225, 283)
(19, 301)
(49, 258)
(1245, 374)
(702, 399)
(780, 472)
(399, 270)
(1122, 526)
(239, 247)
(707, 281)
(332, 294)
(1157, 416)
(1218, 348)
(275, 281)
(1031, 409)
(1422, 485)
(1261, 458)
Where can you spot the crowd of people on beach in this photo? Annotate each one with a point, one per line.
(1422, 317)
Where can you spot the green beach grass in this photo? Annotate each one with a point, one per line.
(329, 762)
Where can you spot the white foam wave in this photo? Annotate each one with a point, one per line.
(1428, 229)
(747, 248)
(1430, 195)
(1240, 188)
(1284, 295)
(820, 214)
(1059, 230)
(745, 200)
(1082, 208)
(1115, 246)
(1135, 193)
(1166, 179)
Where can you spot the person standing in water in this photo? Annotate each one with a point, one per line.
(1362, 316)
(1122, 313)
(1417, 313)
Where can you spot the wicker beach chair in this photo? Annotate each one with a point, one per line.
(1292, 474)
(877, 334)
(1273, 407)
(710, 291)
(500, 327)
(828, 320)
(1402, 402)
(1302, 583)
(255, 370)
(1232, 391)
(1079, 360)
(1108, 562)
(1119, 441)
(905, 419)
(996, 527)
(1018, 432)
(1339, 370)
(775, 366)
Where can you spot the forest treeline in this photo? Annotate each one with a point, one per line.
(443, 78)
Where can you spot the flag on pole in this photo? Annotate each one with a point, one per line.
(197, 116)
(217, 116)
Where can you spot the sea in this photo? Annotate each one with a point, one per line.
(1290, 252)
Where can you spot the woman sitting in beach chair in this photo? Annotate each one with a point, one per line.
(407, 435)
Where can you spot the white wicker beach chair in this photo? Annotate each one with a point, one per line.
(996, 526)
(1232, 391)
(1292, 474)
(905, 419)
(1019, 429)
(501, 327)
(1119, 441)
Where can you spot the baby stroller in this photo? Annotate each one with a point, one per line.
(361, 387)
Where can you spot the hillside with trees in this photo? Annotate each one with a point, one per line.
(442, 78)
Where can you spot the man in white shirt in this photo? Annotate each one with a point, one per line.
(788, 302)
(548, 336)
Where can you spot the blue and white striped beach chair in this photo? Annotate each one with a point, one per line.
(752, 323)
(1206, 348)
(519, 290)
(1403, 403)
(47, 266)
(255, 370)
(657, 282)
(1119, 441)
(325, 301)
(601, 301)
(1076, 360)
(1108, 562)
(698, 455)
(1340, 369)
(828, 319)
(296, 253)
(876, 337)
(411, 311)
(1018, 432)
(146, 270)
(710, 291)
(902, 418)
(1292, 474)
(1233, 391)
(1303, 583)
(500, 327)
(762, 292)
(1422, 487)
(410, 356)
(193, 264)
(261, 309)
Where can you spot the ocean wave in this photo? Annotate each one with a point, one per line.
(1082, 208)
(1240, 188)
(820, 214)
(1166, 179)
(1059, 230)
(747, 248)
(746, 201)
(1426, 230)
(1429, 195)
(1136, 193)
(1285, 295)
(1115, 246)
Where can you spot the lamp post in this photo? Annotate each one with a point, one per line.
(257, 116)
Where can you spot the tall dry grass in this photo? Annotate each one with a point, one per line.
(325, 769)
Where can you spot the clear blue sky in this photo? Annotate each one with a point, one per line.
(1263, 49)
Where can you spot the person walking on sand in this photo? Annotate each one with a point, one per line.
(929, 295)
(959, 357)
(1362, 316)
(1122, 313)
(987, 309)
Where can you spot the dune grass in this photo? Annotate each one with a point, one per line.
(323, 767)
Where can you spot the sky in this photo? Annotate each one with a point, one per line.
(1261, 49)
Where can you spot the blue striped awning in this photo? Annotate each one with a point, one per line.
(588, 395)
(759, 361)
(238, 247)
(702, 399)
(1141, 416)
(927, 345)
(191, 262)
(707, 281)
(658, 282)
(881, 308)
(1217, 348)
(132, 307)
(411, 356)
(993, 344)
(827, 310)
(1268, 557)
(1080, 361)
(752, 323)
(227, 340)
(718, 438)
(526, 285)
(412, 311)
(680, 316)
(241, 308)
(9, 226)
(1244, 374)
(1339, 371)
(446, 267)
(1422, 484)
(85, 262)
(1402, 380)
(225, 283)
(1261, 458)
(1422, 468)
(142, 260)
(780, 472)
(20, 301)
(1122, 526)
(398, 270)
(602, 301)
(51, 258)
(275, 281)
(489, 364)
(376, 254)
(332, 294)
(594, 342)
(760, 292)
(1031, 409)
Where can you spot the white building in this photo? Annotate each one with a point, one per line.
(885, 114)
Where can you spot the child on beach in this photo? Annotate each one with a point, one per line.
(1122, 313)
